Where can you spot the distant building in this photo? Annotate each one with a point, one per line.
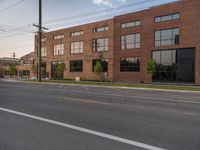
(169, 34)
(23, 66)
(7, 61)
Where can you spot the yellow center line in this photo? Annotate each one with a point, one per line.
(83, 100)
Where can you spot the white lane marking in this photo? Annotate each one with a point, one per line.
(115, 95)
(96, 133)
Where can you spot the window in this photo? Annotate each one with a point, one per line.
(27, 62)
(100, 45)
(44, 39)
(76, 47)
(167, 18)
(130, 64)
(104, 63)
(57, 37)
(54, 72)
(131, 24)
(167, 37)
(76, 66)
(44, 51)
(58, 49)
(101, 29)
(26, 72)
(130, 41)
(174, 65)
(78, 33)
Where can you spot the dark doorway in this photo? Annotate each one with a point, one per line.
(185, 65)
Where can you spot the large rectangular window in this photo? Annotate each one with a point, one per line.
(167, 17)
(130, 64)
(44, 51)
(77, 47)
(104, 63)
(174, 65)
(78, 33)
(131, 24)
(167, 37)
(58, 49)
(101, 29)
(100, 45)
(76, 66)
(130, 41)
(54, 72)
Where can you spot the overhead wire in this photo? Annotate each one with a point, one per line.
(97, 12)
(2, 1)
(11, 6)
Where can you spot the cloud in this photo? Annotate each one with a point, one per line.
(106, 2)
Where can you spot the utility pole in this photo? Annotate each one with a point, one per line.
(40, 42)
(39, 26)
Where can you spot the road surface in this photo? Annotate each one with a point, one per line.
(71, 117)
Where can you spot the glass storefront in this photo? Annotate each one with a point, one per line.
(174, 65)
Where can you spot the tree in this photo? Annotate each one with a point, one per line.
(60, 70)
(98, 68)
(34, 69)
(13, 70)
(1, 71)
(151, 67)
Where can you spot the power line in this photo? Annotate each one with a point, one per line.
(2, 1)
(97, 12)
(23, 46)
(13, 5)
(94, 19)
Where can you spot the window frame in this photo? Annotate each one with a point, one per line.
(101, 29)
(76, 69)
(169, 15)
(58, 37)
(43, 51)
(124, 42)
(105, 44)
(80, 48)
(56, 52)
(77, 33)
(126, 68)
(174, 40)
(125, 24)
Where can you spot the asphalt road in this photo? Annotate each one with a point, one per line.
(66, 117)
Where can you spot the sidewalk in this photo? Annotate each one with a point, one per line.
(155, 87)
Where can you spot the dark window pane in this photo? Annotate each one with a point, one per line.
(130, 64)
(76, 66)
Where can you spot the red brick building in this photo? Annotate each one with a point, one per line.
(169, 34)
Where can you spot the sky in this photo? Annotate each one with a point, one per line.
(18, 16)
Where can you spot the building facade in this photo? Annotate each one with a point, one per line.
(169, 34)
(22, 67)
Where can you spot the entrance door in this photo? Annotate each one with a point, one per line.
(185, 65)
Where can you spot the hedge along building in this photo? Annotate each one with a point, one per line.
(169, 34)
